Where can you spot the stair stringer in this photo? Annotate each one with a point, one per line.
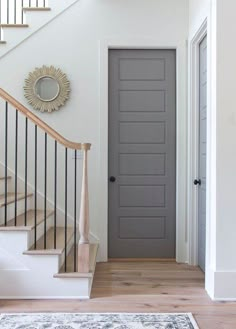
(36, 20)
(32, 275)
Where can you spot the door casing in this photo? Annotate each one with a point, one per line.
(193, 143)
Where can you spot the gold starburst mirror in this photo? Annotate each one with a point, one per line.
(47, 88)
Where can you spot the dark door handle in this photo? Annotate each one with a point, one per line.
(197, 182)
(112, 179)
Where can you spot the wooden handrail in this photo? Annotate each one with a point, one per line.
(46, 128)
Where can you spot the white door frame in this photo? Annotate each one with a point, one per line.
(193, 143)
(181, 139)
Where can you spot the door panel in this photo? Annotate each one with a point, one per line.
(202, 154)
(142, 138)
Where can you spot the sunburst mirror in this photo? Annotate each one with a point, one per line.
(47, 88)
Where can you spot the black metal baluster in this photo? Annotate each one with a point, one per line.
(22, 12)
(44, 3)
(8, 12)
(15, 12)
(6, 162)
(45, 193)
(16, 165)
(35, 186)
(55, 199)
(37, 3)
(26, 167)
(75, 212)
(65, 209)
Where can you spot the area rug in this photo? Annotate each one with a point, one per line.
(97, 321)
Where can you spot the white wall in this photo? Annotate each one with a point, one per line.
(221, 224)
(225, 271)
(201, 11)
(198, 11)
(73, 43)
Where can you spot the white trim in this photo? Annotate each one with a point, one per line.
(193, 144)
(225, 291)
(181, 134)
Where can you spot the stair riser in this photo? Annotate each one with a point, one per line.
(41, 286)
(11, 209)
(14, 244)
(62, 256)
(39, 231)
(31, 276)
(10, 186)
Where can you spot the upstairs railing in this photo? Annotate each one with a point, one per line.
(12, 11)
(12, 130)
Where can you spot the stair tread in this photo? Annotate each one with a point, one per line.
(14, 25)
(11, 198)
(93, 248)
(3, 177)
(60, 231)
(20, 221)
(37, 8)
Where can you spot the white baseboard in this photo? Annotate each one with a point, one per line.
(223, 285)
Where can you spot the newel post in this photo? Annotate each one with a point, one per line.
(83, 248)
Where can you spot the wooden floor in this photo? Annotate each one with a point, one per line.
(142, 287)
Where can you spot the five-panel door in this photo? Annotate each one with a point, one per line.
(142, 153)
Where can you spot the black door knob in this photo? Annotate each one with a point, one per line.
(197, 182)
(112, 179)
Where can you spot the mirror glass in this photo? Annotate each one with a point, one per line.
(47, 89)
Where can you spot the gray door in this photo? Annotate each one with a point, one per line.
(142, 138)
(202, 155)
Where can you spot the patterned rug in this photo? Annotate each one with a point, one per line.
(97, 321)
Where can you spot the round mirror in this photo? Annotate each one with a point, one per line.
(47, 89)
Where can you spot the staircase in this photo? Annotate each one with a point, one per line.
(45, 252)
(21, 18)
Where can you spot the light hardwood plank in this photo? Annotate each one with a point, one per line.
(20, 221)
(127, 287)
(36, 8)
(93, 248)
(11, 198)
(60, 231)
(14, 25)
(2, 178)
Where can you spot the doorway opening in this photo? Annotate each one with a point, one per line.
(198, 149)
